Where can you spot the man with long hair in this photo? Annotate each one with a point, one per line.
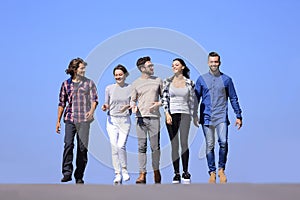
(78, 100)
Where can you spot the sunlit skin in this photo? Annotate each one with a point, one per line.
(177, 68)
(214, 66)
(120, 77)
(81, 70)
(147, 69)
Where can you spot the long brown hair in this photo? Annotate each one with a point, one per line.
(74, 65)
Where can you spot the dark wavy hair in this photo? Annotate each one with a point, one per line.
(141, 61)
(122, 68)
(74, 65)
(186, 70)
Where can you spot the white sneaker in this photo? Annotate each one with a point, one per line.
(186, 178)
(125, 174)
(118, 179)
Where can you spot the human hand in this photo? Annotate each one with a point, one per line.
(238, 123)
(105, 107)
(168, 118)
(57, 127)
(155, 106)
(134, 109)
(196, 121)
(124, 108)
(89, 115)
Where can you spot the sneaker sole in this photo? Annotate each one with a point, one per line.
(186, 181)
(117, 183)
(175, 182)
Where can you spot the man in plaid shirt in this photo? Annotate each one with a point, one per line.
(78, 97)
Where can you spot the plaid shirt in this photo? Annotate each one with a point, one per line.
(79, 97)
(192, 101)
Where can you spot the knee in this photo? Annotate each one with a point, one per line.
(184, 144)
(210, 146)
(142, 148)
(69, 145)
(155, 147)
(114, 150)
(121, 147)
(223, 144)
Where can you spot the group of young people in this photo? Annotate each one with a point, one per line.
(178, 95)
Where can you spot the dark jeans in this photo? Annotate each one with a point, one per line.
(81, 130)
(180, 123)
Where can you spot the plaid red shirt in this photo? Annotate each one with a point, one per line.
(77, 98)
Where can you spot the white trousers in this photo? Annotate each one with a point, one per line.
(118, 129)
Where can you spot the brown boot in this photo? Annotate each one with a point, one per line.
(222, 176)
(157, 176)
(212, 178)
(141, 179)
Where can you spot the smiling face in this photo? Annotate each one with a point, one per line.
(214, 63)
(148, 68)
(119, 76)
(177, 67)
(80, 70)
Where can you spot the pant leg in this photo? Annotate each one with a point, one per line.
(67, 163)
(124, 128)
(154, 137)
(222, 131)
(141, 131)
(83, 129)
(113, 133)
(173, 135)
(209, 134)
(184, 136)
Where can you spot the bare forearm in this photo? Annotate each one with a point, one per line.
(60, 113)
(93, 107)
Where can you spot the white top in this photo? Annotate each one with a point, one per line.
(179, 100)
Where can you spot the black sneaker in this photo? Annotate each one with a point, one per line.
(186, 178)
(176, 178)
(79, 181)
(66, 178)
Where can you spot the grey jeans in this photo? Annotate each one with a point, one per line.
(148, 126)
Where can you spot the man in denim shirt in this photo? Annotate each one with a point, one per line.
(215, 88)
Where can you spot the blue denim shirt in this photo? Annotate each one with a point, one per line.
(215, 91)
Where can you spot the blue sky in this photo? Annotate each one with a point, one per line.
(258, 43)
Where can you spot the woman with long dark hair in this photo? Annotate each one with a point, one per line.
(178, 101)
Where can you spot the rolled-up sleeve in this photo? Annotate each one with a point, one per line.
(93, 92)
(62, 96)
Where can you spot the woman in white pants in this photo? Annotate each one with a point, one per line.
(117, 99)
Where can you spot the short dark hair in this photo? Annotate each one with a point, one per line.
(74, 65)
(214, 54)
(141, 61)
(122, 68)
(186, 70)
